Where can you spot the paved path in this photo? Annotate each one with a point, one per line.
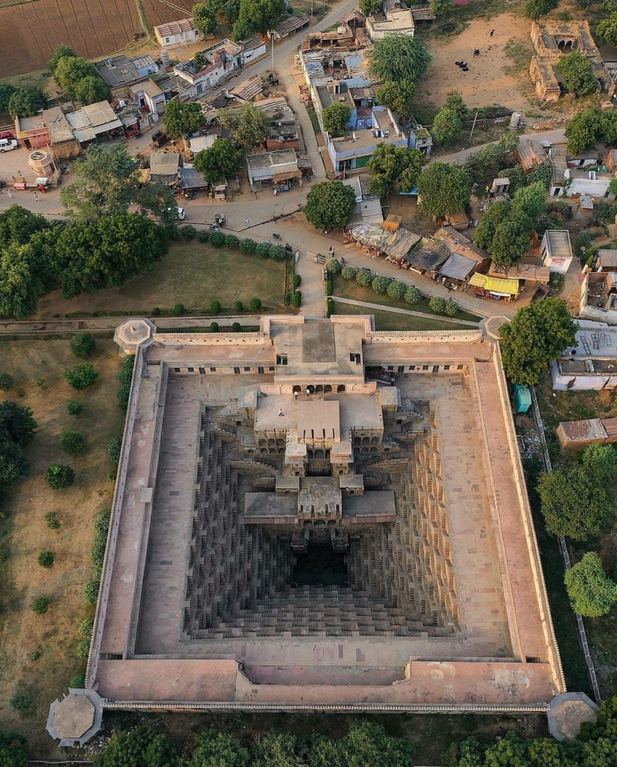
(557, 136)
(396, 310)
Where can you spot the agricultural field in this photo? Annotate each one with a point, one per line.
(29, 32)
(38, 652)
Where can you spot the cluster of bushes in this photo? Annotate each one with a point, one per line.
(238, 307)
(125, 376)
(395, 289)
(78, 77)
(231, 241)
(101, 527)
(17, 427)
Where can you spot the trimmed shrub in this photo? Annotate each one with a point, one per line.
(21, 702)
(278, 252)
(53, 523)
(73, 407)
(203, 236)
(40, 605)
(231, 241)
(215, 307)
(83, 345)
(413, 295)
(334, 266)
(438, 305)
(97, 554)
(236, 327)
(114, 448)
(83, 649)
(329, 307)
(297, 281)
(247, 245)
(156, 312)
(255, 304)
(6, 381)
(364, 278)
(349, 272)
(46, 559)
(329, 285)
(238, 307)
(380, 284)
(72, 442)
(91, 592)
(188, 232)
(214, 327)
(217, 239)
(451, 308)
(263, 249)
(38, 381)
(296, 301)
(78, 682)
(86, 627)
(396, 289)
(81, 376)
(179, 310)
(58, 477)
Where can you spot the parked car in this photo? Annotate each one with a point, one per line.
(7, 144)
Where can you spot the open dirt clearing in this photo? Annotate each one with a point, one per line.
(24, 532)
(486, 83)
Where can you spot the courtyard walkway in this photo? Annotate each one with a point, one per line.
(410, 312)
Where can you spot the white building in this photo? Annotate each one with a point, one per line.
(557, 250)
(591, 363)
(396, 17)
(221, 60)
(177, 33)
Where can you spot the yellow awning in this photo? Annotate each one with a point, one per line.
(494, 284)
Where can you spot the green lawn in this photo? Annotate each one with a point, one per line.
(193, 274)
(351, 289)
(385, 320)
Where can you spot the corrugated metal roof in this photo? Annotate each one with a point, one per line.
(494, 284)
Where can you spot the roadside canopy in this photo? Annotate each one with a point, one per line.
(494, 284)
(457, 267)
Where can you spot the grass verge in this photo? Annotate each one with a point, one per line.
(385, 320)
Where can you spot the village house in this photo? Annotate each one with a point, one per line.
(395, 17)
(177, 33)
(591, 363)
(164, 167)
(553, 39)
(278, 168)
(253, 48)
(222, 60)
(149, 97)
(50, 130)
(146, 65)
(556, 250)
(599, 297)
(118, 73)
(95, 121)
(290, 26)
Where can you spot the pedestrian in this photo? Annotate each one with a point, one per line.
(492, 32)
(308, 391)
(296, 394)
(36, 197)
(342, 261)
(10, 194)
(247, 222)
(281, 411)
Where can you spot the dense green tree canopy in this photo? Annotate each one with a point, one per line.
(394, 167)
(329, 205)
(484, 165)
(440, 7)
(262, 15)
(220, 161)
(248, 128)
(591, 591)
(335, 118)
(6, 91)
(17, 422)
(511, 239)
(75, 75)
(447, 127)
(396, 96)
(242, 29)
(530, 201)
(217, 749)
(397, 57)
(607, 30)
(369, 7)
(13, 750)
(25, 102)
(537, 334)
(180, 119)
(141, 747)
(444, 189)
(91, 90)
(20, 284)
(108, 183)
(83, 345)
(584, 130)
(61, 52)
(17, 225)
(81, 376)
(577, 74)
(535, 9)
(204, 18)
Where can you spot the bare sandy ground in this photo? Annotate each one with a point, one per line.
(486, 83)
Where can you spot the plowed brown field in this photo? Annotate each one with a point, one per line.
(29, 33)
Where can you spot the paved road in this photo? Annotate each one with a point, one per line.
(396, 310)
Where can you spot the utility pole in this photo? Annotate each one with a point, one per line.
(272, 41)
(474, 125)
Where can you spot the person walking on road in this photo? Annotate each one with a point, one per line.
(10, 194)
(36, 197)
(247, 222)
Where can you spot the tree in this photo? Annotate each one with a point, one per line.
(139, 747)
(397, 57)
(81, 376)
(108, 183)
(73, 407)
(537, 334)
(277, 749)
(72, 442)
(591, 591)
(21, 702)
(601, 460)
(218, 162)
(584, 130)
(217, 749)
(61, 52)
(334, 266)
(242, 29)
(20, 285)
(396, 289)
(394, 167)
(204, 18)
(13, 464)
(438, 305)
(91, 90)
(335, 119)
(440, 7)
(46, 559)
(497, 212)
(413, 295)
(364, 278)
(511, 239)
(18, 225)
(380, 284)
(180, 119)
(262, 15)
(6, 91)
(40, 607)
(530, 201)
(249, 128)
(83, 345)
(114, 448)
(255, 304)
(368, 7)
(534, 9)
(25, 102)
(577, 74)
(366, 744)
(329, 205)
(397, 96)
(349, 272)
(444, 189)
(607, 30)
(447, 127)
(13, 750)
(59, 476)
(6, 381)
(71, 72)
(17, 422)
(107, 251)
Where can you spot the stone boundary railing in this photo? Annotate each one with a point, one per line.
(114, 523)
(211, 339)
(424, 336)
